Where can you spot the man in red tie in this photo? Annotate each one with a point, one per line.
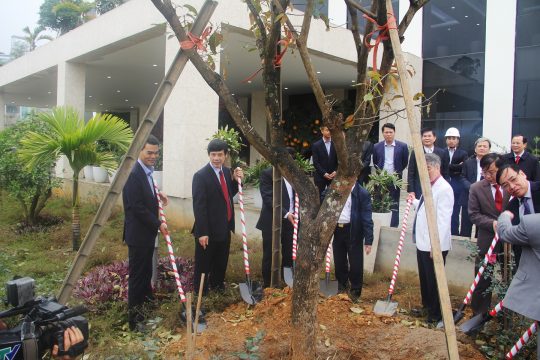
(525, 161)
(213, 189)
(486, 202)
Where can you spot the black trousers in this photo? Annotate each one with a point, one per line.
(139, 282)
(481, 297)
(286, 250)
(458, 189)
(395, 194)
(348, 259)
(321, 185)
(212, 262)
(428, 282)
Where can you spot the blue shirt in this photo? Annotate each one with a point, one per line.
(148, 171)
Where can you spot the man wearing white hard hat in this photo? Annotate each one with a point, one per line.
(457, 157)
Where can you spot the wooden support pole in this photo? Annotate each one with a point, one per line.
(150, 119)
(275, 277)
(189, 328)
(442, 286)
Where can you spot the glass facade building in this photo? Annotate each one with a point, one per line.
(453, 52)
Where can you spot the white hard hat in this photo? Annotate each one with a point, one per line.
(452, 132)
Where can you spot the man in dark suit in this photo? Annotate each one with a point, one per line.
(141, 224)
(354, 229)
(213, 189)
(428, 142)
(470, 174)
(392, 156)
(456, 157)
(265, 223)
(527, 162)
(525, 195)
(486, 202)
(324, 160)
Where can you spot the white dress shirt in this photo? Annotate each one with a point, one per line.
(327, 144)
(443, 199)
(290, 210)
(345, 216)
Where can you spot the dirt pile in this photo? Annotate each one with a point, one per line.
(345, 331)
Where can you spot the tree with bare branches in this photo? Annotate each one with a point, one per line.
(274, 31)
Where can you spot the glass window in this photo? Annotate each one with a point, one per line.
(453, 27)
(527, 23)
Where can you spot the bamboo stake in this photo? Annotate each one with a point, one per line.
(189, 325)
(442, 286)
(197, 310)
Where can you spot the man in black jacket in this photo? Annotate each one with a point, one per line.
(265, 223)
(428, 142)
(324, 160)
(141, 225)
(527, 162)
(213, 189)
(456, 157)
(354, 229)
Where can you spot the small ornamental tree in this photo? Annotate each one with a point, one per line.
(30, 187)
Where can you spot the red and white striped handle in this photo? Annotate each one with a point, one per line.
(481, 270)
(522, 340)
(496, 309)
(243, 221)
(328, 256)
(169, 246)
(399, 248)
(295, 227)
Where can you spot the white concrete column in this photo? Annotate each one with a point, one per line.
(190, 118)
(71, 84)
(258, 121)
(499, 72)
(2, 112)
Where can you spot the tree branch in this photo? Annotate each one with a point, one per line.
(257, 19)
(355, 5)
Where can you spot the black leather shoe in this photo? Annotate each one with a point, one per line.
(355, 295)
(416, 312)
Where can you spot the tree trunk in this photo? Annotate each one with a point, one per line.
(305, 294)
(75, 219)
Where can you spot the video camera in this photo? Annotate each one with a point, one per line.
(43, 324)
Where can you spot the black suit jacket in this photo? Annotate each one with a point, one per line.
(209, 205)
(469, 175)
(456, 164)
(322, 161)
(413, 180)
(367, 152)
(141, 221)
(528, 163)
(267, 192)
(401, 156)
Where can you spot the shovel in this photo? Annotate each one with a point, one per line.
(288, 273)
(172, 260)
(388, 307)
(459, 314)
(251, 291)
(471, 326)
(328, 287)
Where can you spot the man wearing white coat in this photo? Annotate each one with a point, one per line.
(443, 200)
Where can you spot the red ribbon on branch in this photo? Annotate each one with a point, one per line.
(383, 35)
(285, 42)
(195, 41)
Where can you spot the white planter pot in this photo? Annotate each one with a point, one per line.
(257, 198)
(158, 177)
(100, 174)
(383, 219)
(379, 219)
(112, 175)
(88, 173)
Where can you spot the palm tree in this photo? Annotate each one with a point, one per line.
(71, 137)
(32, 37)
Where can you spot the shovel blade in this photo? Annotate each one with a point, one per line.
(458, 315)
(475, 323)
(329, 288)
(385, 308)
(251, 295)
(288, 276)
(201, 326)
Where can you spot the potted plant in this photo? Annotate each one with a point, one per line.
(234, 141)
(379, 185)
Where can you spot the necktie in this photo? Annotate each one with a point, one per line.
(225, 195)
(498, 198)
(517, 159)
(526, 208)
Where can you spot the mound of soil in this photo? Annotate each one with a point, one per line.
(346, 331)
